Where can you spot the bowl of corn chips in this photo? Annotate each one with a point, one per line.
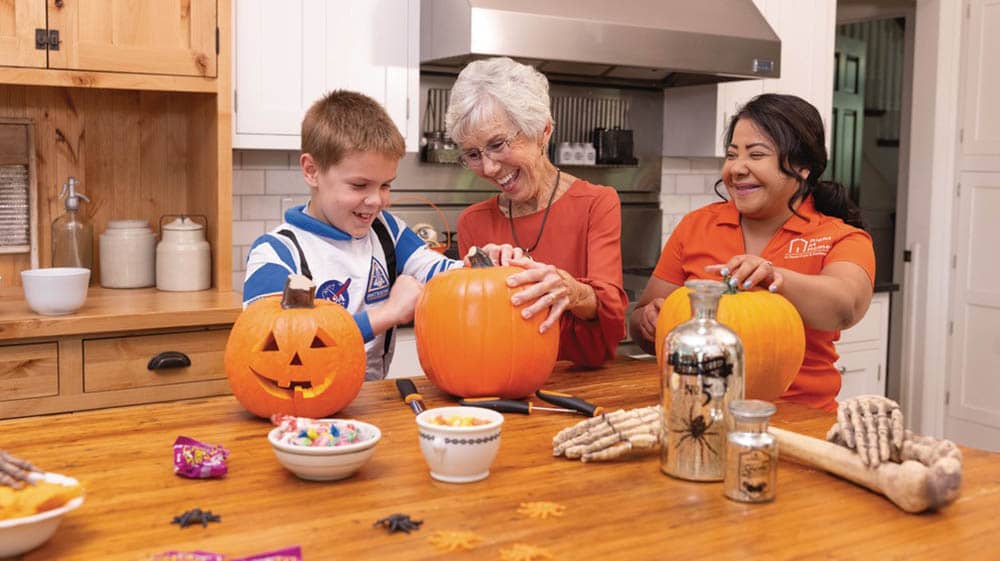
(30, 516)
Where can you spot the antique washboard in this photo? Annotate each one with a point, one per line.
(18, 198)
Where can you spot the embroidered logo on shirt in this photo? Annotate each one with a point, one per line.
(801, 247)
(336, 292)
(378, 283)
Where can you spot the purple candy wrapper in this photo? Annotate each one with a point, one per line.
(187, 556)
(288, 554)
(198, 460)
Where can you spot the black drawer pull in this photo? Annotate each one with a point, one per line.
(169, 359)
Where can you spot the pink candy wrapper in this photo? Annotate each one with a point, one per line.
(287, 554)
(198, 460)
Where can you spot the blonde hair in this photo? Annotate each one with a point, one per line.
(484, 86)
(342, 122)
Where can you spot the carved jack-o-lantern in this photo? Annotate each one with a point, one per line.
(288, 354)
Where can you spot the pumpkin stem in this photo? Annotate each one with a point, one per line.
(479, 258)
(298, 293)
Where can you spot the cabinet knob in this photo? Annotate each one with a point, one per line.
(169, 359)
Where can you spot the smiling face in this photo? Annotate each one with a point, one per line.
(517, 169)
(349, 195)
(753, 177)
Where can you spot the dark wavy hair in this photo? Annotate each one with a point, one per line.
(796, 129)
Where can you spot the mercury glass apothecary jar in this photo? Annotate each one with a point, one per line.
(702, 373)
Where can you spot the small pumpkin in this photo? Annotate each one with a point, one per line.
(472, 342)
(769, 326)
(292, 355)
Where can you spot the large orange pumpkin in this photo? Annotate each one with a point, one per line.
(472, 342)
(289, 354)
(774, 340)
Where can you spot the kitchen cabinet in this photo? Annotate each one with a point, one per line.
(695, 117)
(100, 356)
(288, 54)
(979, 134)
(863, 350)
(141, 142)
(176, 37)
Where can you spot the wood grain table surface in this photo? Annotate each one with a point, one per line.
(617, 510)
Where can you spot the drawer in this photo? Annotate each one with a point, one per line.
(870, 326)
(28, 371)
(119, 363)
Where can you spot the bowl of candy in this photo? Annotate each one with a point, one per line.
(323, 449)
(31, 515)
(459, 443)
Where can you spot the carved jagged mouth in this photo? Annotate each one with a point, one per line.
(291, 389)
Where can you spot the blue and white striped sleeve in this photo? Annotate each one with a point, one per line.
(413, 257)
(269, 263)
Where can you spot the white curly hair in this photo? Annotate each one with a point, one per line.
(484, 86)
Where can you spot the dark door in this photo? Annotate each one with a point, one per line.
(848, 113)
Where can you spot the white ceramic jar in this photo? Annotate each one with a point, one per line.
(127, 249)
(183, 256)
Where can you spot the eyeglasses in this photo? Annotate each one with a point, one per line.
(473, 158)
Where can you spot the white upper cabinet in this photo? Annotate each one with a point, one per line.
(290, 53)
(980, 135)
(695, 117)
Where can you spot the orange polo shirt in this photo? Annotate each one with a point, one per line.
(712, 235)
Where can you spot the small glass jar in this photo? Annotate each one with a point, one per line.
(751, 453)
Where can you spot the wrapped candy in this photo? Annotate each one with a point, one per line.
(302, 431)
(197, 460)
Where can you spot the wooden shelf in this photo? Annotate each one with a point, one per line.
(110, 310)
(106, 80)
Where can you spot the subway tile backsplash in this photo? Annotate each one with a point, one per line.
(266, 182)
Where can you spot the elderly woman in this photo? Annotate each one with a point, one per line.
(564, 231)
(781, 229)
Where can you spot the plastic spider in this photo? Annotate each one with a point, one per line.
(398, 523)
(195, 516)
(696, 430)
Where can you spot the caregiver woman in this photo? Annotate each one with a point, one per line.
(782, 230)
(499, 115)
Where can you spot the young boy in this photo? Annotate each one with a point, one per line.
(359, 255)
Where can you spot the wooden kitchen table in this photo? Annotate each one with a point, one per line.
(617, 510)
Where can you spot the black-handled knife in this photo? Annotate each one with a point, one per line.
(408, 391)
(570, 402)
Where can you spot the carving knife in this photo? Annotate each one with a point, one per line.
(408, 391)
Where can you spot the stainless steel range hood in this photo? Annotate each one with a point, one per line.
(646, 43)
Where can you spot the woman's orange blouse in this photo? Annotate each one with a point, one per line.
(712, 235)
(582, 236)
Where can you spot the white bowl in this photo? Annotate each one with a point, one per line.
(20, 535)
(459, 454)
(322, 463)
(57, 291)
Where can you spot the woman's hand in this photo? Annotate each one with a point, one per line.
(646, 317)
(748, 271)
(500, 254)
(553, 289)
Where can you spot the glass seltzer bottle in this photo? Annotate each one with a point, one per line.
(702, 373)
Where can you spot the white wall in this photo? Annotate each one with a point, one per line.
(686, 184)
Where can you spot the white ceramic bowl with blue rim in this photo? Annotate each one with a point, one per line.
(20, 535)
(322, 463)
(460, 454)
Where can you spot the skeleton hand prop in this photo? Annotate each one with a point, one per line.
(14, 471)
(871, 425)
(610, 436)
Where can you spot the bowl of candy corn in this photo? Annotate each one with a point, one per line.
(323, 449)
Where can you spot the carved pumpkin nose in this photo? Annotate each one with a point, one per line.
(296, 361)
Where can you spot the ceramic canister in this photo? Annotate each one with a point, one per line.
(183, 256)
(127, 249)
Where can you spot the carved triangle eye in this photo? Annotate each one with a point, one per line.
(317, 343)
(270, 344)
